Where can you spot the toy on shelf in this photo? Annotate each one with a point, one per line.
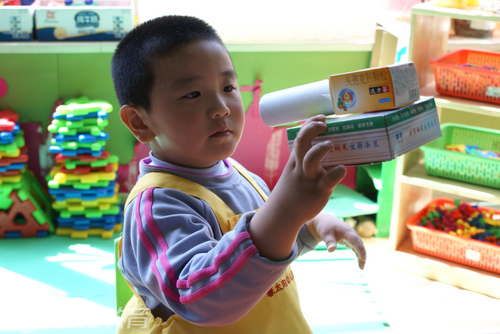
(458, 232)
(83, 179)
(363, 225)
(473, 150)
(464, 220)
(24, 205)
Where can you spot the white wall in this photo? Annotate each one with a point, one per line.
(261, 21)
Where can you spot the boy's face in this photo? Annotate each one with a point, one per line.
(197, 114)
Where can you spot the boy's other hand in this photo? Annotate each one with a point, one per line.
(334, 231)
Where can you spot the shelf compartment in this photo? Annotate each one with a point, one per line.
(461, 104)
(472, 279)
(417, 176)
(470, 168)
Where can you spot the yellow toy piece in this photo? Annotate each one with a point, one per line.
(12, 154)
(83, 234)
(10, 179)
(457, 148)
(92, 177)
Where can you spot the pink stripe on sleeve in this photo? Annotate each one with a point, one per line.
(203, 273)
(235, 267)
(160, 239)
(152, 251)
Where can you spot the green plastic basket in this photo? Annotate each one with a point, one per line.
(460, 166)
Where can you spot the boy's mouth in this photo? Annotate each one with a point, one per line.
(221, 132)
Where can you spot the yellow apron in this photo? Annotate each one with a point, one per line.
(277, 312)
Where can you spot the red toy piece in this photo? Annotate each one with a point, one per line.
(19, 219)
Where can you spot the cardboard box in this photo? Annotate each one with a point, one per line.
(83, 23)
(16, 23)
(377, 136)
(380, 88)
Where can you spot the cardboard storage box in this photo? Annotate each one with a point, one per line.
(83, 23)
(16, 23)
(377, 136)
(380, 88)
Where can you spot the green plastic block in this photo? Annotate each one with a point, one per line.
(83, 106)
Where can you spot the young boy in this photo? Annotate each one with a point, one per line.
(203, 248)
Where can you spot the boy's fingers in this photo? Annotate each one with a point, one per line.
(309, 131)
(334, 176)
(356, 244)
(313, 157)
(331, 244)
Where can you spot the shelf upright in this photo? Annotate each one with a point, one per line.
(414, 188)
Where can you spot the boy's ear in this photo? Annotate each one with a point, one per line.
(134, 118)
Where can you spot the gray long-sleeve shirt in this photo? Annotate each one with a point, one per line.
(177, 258)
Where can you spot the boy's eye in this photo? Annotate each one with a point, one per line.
(229, 88)
(192, 95)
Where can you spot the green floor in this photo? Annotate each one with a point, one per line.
(62, 285)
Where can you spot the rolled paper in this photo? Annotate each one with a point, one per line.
(296, 103)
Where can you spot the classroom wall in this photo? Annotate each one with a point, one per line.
(36, 81)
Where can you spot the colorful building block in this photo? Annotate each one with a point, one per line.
(86, 160)
(84, 234)
(27, 212)
(73, 117)
(83, 106)
(64, 193)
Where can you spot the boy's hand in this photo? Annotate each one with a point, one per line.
(333, 231)
(305, 185)
(302, 191)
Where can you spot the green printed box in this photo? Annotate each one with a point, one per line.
(83, 23)
(377, 136)
(16, 23)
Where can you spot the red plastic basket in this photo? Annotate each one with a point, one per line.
(470, 252)
(460, 73)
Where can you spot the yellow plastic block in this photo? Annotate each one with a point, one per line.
(84, 234)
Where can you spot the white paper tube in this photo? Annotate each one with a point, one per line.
(296, 104)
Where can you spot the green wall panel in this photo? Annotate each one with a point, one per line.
(32, 85)
(36, 81)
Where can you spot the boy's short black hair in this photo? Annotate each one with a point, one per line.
(131, 65)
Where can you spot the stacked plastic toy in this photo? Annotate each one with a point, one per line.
(83, 180)
(24, 204)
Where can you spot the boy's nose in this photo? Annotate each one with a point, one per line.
(219, 108)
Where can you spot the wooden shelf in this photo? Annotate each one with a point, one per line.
(456, 103)
(469, 278)
(417, 176)
(413, 187)
(459, 42)
(37, 47)
(469, 13)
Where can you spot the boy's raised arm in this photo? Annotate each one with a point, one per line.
(301, 193)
